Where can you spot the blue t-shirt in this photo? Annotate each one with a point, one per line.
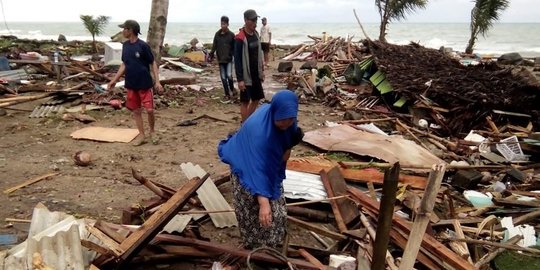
(137, 58)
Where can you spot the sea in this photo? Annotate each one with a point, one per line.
(502, 38)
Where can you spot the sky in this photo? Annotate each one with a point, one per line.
(277, 11)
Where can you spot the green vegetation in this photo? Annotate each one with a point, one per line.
(483, 15)
(390, 10)
(95, 26)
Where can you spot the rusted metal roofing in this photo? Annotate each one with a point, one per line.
(392, 149)
(211, 198)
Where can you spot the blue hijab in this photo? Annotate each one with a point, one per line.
(255, 152)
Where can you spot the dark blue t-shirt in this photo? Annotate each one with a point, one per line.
(137, 58)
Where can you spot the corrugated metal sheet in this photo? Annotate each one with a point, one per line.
(45, 110)
(177, 224)
(56, 236)
(299, 185)
(210, 197)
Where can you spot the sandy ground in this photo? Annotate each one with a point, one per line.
(33, 147)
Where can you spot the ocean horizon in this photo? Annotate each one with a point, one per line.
(502, 38)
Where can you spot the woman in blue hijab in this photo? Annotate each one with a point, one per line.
(257, 155)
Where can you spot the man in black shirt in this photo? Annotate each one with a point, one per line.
(223, 44)
(248, 63)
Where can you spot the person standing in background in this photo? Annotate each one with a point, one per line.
(248, 64)
(224, 44)
(266, 40)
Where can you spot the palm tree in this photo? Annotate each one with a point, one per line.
(157, 27)
(483, 14)
(95, 26)
(395, 10)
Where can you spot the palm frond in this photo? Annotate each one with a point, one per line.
(95, 26)
(400, 8)
(485, 13)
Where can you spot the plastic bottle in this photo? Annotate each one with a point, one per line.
(56, 56)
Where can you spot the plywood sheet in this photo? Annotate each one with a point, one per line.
(392, 149)
(103, 134)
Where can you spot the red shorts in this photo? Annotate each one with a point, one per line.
(140, 98)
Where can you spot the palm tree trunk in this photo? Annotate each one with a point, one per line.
(382, 31)
(472, 40)
(94, 43)
(157, 27)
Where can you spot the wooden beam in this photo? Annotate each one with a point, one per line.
(490, 256)
(497, 244)
(347, 207)
(428, 242)
(358, 176)
(311, 259)
(317, 229)
(238, 252)
(333, 203)
(388, 200)
(109, 242)
(187, 251)
(29, 182)
(422, 218)
(95, 247)
(138, 239)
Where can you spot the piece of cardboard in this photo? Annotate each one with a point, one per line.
(103, 134)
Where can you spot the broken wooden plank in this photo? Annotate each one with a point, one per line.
(311, 259)
(112, 245)
(490, 256)
(422, 219)
(138, 239)
(29, 182)
(357, 176)
(95, 247)
(187, 251)
(384, 224)
(333, 203)
(348, 209)
(317, 229)
(151, 186)
(428, 242)
(238, 252)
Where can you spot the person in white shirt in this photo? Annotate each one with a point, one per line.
(266, 39)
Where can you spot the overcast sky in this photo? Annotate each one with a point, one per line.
(307, 11)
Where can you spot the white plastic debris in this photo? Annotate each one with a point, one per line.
(474, 137)
(478, 199)
(337, 260)
(527, 231)
(371, 128)
(511, 150)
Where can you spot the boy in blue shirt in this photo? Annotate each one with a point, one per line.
(137, 60)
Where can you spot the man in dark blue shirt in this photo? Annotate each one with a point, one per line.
(137, 60)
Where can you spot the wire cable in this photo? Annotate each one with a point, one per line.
(4, 16)
(272, 252)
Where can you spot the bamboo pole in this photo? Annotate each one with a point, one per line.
(422, 218)
(384, 224)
